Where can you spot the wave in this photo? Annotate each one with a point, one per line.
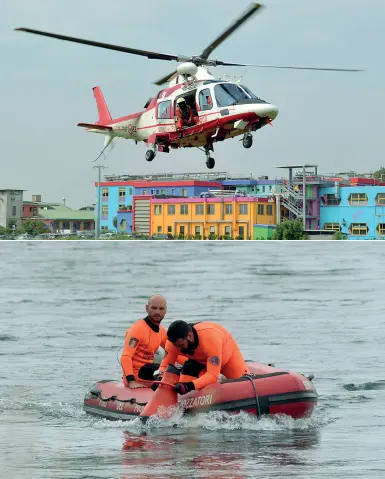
(8, 337)
(369, 386)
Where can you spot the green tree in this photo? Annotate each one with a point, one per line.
(379, 174)
(339, 236)
(34, 227)
(290, 230)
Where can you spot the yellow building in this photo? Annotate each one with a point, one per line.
(232, 216)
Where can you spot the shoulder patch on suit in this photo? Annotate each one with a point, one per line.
(214, 360)
(133, 342)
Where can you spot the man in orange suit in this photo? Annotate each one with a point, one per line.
(211, 351)
(142, 341)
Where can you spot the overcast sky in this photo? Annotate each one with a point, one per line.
(335, 120)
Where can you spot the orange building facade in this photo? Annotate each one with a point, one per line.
(215, 217)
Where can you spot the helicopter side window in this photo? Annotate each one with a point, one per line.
(228, 94)
(164, 109)
(205, 100)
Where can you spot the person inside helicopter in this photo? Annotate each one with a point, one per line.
(185, 114)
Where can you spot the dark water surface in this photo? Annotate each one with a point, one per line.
(312, 307)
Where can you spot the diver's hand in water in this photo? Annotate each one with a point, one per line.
(184, 388)
(136, 384)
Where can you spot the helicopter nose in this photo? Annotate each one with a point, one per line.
(267, 110)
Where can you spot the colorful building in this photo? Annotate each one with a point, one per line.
(117, 196)
(207, 217)
(253, 187)
(358, 211)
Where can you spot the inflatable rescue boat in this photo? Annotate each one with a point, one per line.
(267, 390)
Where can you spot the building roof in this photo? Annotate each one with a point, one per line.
(58, 211)
(216, 199)
(11, 189)
(207, 175)
(158, 184)
(298, 166)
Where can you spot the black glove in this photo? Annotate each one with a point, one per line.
(154, 386)
(184, 388)
(130, 378)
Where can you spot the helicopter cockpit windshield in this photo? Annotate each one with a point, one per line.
(228, 94)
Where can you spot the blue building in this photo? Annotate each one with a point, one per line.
(253, 187)
(358, 211)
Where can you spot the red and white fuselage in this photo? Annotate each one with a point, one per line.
(223, 110)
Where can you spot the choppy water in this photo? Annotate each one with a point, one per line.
(313, 307)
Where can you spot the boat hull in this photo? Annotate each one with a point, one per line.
(268, 391)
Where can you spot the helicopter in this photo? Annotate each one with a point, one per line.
(195, 109)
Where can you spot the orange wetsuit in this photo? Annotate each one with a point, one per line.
(182, 119)
(142, 341)
(215, 349)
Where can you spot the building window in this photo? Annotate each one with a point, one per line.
(184, 192)
(212, 230)
(197, 230)
(356, 199)
(242, 232)
(263, 189)
(122, 195)
(243, 209)
(159, 229)
(181, 230)
(164, 109)
(269, 210)
(228, 209)
(199, 209)
(104, 228)
(130, 191)
(144, 192)
(330, 199)
(358, 229)
(380, 199)
(169, 229)
(13, 210)
(261, 209)
(210, 209)
(158, 209)
(171, 209)
(381, 229)
(105, 194)
(163, 192)
(34, 211)
(332, 227)
(184, 209)
(104, 212)
(227, 230)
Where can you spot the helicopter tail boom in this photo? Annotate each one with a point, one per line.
(104, 113)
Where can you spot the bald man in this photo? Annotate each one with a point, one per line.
(142, 341)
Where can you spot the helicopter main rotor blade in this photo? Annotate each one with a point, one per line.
(118, 48)
(237, 23)
(165, 78)
(218, 62)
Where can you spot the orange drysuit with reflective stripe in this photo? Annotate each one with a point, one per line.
(216, 349)
(141, 343)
